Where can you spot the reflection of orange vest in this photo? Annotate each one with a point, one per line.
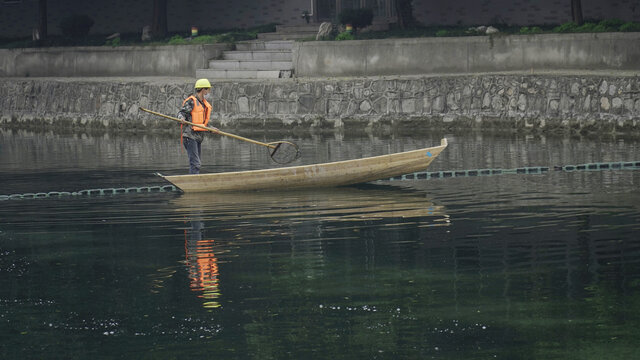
(200, 114)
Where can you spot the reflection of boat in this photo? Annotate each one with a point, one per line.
(337, 204)
(331, 174)
(304, 220)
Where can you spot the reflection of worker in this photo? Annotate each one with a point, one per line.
(202, 264)
(195, 109)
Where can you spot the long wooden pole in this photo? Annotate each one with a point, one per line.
(213, 130)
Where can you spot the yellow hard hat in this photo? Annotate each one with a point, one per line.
(202, 84)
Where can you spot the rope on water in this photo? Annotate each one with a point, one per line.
(626, 165)
(90, 192)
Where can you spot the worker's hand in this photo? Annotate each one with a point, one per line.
(214, 129)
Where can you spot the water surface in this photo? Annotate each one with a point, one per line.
(513, 266)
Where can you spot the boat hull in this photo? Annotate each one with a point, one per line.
(339, 173)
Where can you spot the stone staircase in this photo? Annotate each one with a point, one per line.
(268, 57)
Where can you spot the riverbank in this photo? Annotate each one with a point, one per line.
(583, 102)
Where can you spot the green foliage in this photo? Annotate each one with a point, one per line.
(609, 25)
(566, 28)
(630, 27)
(530, 30)
(231, 37)
(358, 18)
(592, 27)
(113, 42)
(177, 40)
(203, 39)
(443, 32)
(345, 36)
(612, 24)
(76, 26)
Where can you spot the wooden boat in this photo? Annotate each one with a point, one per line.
(332, 174)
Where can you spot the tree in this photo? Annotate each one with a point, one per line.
(42, 20)
(159, 24)
(404, 11)
(576, 11)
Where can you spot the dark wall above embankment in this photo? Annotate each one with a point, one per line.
(515, 102)
(18, 18)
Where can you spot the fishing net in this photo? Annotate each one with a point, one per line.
(283, 152)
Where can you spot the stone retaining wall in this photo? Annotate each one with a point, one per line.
(470, 54)
(548, 102)
(167, 60)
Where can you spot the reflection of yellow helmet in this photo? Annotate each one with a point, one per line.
(202, 84)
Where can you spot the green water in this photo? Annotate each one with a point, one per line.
(508, 267)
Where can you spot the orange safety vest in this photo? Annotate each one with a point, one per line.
(200, 114)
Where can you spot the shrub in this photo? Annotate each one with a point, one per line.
(611, 24)
(566, 28)
(586, 27)
(530, 30)
(358, 18)
(113, 42)
(345, 36)
(231, 37)
(442, 33)
(630, 27)
(177, 40)
(203, 39)
(76, 26)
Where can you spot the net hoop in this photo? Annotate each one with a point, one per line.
(283, 152)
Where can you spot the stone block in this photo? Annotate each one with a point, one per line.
(452, 102)
(486, 101)
(408, 106)
(365, 106)
(522, 102)
(333, 107)
(380, 106)
(497, 103)
(426, 105)
(616, 104)
(604, 86)
(243, 104)
(305, 104)
(438, 104)
(586, 105)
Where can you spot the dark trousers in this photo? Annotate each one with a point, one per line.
(194, 151)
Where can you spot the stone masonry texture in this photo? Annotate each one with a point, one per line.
(582, 103)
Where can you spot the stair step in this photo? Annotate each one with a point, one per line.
(242, 74)
(273, 55)
(250, 65)
(264, 45)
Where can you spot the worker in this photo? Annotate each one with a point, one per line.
(195, 109)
